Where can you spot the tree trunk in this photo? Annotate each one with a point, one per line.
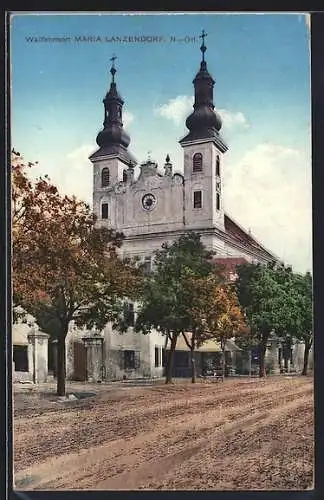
(169, 364)
(306, 355)
(223, 364)
(263, 347)
(61, 369)
(193, 366)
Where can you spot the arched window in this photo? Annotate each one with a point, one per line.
(105, 177)
(197, 162)
(104, 211)
(217, 166)
(124, 176)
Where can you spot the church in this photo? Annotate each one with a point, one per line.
(159, 206)
(152, 208)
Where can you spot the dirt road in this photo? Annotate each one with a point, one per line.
(240, 434)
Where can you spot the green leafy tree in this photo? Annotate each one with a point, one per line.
(163, 304)
(275, 299)
(294, 312)
(305, 332)
(261, 296)
(300, 314)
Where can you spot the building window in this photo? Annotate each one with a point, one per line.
(163, 357)
(129, 315)
(124, 176)
(157, 357)
(131, 360)
(197, 199)
(105, 177)
(217, 201)
(20, 358)
(197, 162)
(104, 211)
(147, 266)
(217, 166)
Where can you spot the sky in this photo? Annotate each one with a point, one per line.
(261, 65)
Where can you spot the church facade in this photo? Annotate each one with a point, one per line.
(156, 206)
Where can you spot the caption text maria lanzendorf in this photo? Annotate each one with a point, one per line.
(110, 39)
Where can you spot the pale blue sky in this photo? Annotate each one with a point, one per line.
(261, 67)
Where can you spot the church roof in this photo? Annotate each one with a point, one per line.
(238, 234)
(204, 122)
(112, 150)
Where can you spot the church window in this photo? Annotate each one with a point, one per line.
(217, 201)
(217, 166)
(197, 199)
(124, 176)
(197, 162)
(104, 211)
(147, 266)
(105, 177)
(129, 316)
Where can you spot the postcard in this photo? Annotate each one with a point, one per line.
(162, 251)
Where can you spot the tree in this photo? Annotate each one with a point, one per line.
(64, 267)
(301, 290)
(215, 311)
(275, 299)
(294, 311)
(163, 304)
(261, 295)
(31, 203)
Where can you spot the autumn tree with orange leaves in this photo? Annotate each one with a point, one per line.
(215, 311)
(63, 266)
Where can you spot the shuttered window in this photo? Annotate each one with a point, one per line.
(105, 177)
(197, 162)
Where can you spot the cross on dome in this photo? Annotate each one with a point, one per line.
(203, 47)
(113, 69)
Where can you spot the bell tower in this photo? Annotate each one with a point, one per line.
(203, 150)
(112, 162)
